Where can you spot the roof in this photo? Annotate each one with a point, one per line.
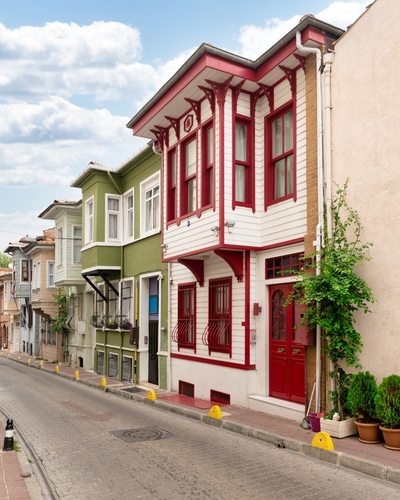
(50, 211)
(208, 53)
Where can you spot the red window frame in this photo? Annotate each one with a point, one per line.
(218, 332)
(284, 158)
(171, 183)
(184, 332)
(208, 161)
(243, 162)
(283, 265)
(188, 179)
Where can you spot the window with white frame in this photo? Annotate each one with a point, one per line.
(50, 274)
(128, 215)
(126, 305)
(59, 246)
(89, 220)
(36, 276)
(24, 270)
(77, 244)
(113, 217)
(150, 205)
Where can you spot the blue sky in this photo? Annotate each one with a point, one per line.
(74, 72)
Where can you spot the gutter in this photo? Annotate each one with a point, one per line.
(320, 225)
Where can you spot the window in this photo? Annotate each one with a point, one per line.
(208, 166)
(279, 267)
(126, 305)
(171, 179)
(128, 215)
(188, 194)
(184, 332)
(150, 205)
(77, 244)
(217, 334)
(59, 245)
(280, 173)
(24, 270)
(50, 274)
(113, 216)
(89, 221)
(243, 166)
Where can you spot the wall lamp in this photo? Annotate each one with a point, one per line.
(215, 230)
(229, 223)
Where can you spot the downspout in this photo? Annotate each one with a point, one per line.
(320, 225)
(328, 60)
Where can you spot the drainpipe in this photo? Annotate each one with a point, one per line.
(320, 225)
(328, 60)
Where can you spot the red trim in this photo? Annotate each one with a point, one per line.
(196, 266)
(247, 309)
(212, 361)
(280, 244)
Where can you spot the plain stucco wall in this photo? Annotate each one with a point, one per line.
(366, 150)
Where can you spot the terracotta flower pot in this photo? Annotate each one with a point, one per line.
(369, 433)
(391, 437)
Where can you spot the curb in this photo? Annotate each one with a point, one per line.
(363, 466)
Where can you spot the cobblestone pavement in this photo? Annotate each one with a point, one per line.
(70, 428)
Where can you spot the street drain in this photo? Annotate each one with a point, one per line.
(132, 389)
(141, 434)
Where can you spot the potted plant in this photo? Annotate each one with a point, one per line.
(388, 410)
(361, 402)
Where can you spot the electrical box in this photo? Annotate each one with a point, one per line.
(134, 336)
(302, 335)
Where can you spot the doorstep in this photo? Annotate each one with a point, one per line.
(278, 407)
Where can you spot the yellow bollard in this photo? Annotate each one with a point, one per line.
(76, 374)
(1, 353)
(41, 364)
(103, 382)
(8, 355)
(19, 358)
(215, 412)
(29, 361)
(322, 440)
(151, 395)
(57, 369)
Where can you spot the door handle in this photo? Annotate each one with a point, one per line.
(296, 351)
(281, 349)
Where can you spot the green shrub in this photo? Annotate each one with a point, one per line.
(361, 396)
(388, 402)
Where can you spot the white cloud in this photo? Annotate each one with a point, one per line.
(256, 40)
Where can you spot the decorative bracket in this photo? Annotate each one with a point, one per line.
(210, 96)
(235, 94)
(165, 134)
(220, 89)
(159, 137)
(302, 61)
(269, 94)
(196, 266)
(254, 98)
(196, 107)
(291, 77)
(175, 124)
(234, 259)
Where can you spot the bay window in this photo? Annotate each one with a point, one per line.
(208, 166)
(243, 163)
(113, 217)
(171, 179)
(89, 221)
(280, 168)
(188, 191)
(150, 205)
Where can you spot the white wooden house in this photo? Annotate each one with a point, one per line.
(238, 140)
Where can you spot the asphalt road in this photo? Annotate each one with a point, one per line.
(95, 445)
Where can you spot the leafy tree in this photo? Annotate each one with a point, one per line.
(5, 259)
(333, 295)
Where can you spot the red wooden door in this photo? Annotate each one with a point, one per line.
(286, 358)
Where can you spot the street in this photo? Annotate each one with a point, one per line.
(95, 445)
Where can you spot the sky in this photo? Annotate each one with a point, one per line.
(74, 72)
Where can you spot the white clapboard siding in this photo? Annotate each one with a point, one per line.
(243, 104)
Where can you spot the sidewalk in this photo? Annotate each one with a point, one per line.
(374, 460)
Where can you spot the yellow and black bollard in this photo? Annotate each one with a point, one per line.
(9, 436)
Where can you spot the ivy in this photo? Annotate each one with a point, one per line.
(333, 295)
(61, 301)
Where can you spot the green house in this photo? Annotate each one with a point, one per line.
(121, 263)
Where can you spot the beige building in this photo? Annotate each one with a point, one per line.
(361, 79)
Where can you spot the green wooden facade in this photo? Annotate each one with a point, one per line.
(121, 211)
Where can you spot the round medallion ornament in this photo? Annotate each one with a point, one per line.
(188, 123)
